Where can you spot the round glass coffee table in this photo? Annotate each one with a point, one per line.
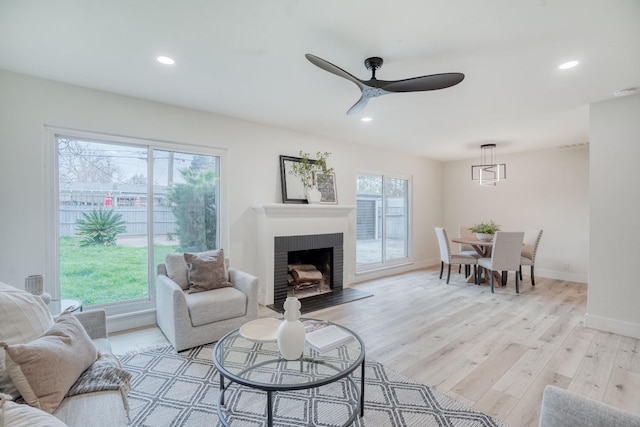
(260, 366)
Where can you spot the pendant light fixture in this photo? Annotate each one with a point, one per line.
(488, 172)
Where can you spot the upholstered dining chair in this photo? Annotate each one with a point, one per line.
(528, 255)
(464, 232)
(505, 255)
(446, 257)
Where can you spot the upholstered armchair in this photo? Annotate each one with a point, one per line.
(189, 319)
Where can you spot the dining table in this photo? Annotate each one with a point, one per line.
(483, 248)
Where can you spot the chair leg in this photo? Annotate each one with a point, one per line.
(448, 272)
(460, 267)
(533, 281)
(441, 267)
(491, 273)
(517, 284)
(504, 276)
(520, 270)
(475, 274)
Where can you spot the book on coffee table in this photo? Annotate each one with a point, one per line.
(328, 338)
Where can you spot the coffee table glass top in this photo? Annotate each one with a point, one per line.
(260, 365)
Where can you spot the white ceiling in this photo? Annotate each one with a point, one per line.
(245, 59)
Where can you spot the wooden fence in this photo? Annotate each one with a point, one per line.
(135, 217)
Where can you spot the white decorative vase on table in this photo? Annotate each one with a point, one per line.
(314, 195)
(484, 237)
(291, 333)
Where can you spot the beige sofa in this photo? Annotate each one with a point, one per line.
(24, 318)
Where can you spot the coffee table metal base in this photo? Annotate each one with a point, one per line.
(357, 410)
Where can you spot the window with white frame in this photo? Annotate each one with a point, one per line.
(382, 233)
(120, 206)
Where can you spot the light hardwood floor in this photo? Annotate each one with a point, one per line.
(495, 352)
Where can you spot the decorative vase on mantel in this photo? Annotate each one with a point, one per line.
(291, 333)
(484, 237)
(313, 195)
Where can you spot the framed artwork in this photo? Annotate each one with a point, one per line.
(327, 187)
(292, 188)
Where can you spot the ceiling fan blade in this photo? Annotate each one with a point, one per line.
(334, 69)
(418, 84)
(359, 106)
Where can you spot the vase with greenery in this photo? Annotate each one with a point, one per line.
(308, 170)
(485, 230)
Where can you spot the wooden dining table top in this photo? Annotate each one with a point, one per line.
(472, 241)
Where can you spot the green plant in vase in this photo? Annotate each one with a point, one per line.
(308, 170)
(485, 230)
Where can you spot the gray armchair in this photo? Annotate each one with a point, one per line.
(192, 319)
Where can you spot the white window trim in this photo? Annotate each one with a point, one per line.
(52, 271)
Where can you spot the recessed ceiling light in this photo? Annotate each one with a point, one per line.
(165, 60)
(366, 119)
(568, 65)
(625, 92)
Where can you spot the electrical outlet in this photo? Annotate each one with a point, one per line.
(566, 265)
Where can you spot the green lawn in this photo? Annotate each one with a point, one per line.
(102, 274)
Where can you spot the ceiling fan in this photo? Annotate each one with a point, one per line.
(373, 87)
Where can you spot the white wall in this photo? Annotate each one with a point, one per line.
(27, 104)
(614, 286)
(546, 189)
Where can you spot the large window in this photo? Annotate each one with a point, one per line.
(120, 207)
(382, 234)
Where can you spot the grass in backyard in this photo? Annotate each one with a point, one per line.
(103, 274)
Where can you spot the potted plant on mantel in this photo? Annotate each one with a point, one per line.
(485, 230)
(308, 171)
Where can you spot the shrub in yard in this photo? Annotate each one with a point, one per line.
(194, 206)
(100, 227)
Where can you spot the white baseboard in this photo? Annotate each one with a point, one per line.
(619, 327)
(388, 271)
(558, 275)
(122, 322)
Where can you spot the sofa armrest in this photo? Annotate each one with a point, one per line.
(247, 284)
(94, 322)
(561, 408)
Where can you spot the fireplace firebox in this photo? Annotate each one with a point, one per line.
(308, 262)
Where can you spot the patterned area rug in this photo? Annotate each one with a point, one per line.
(181, 389)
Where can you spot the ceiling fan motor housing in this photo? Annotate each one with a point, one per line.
(373, 63)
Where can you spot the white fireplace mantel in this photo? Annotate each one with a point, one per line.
(280, 219)
(282, 210)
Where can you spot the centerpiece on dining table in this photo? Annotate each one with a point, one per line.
(485, 230)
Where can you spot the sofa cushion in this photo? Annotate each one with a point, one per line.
(207, 271)
(24, 318)
(46, 368)
(177, 270)
(20, 415)
(216, 305)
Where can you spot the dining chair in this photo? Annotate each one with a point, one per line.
(464, 232)
(446, 257)
(528, 254)
(505, 255)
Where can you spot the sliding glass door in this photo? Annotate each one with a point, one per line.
(382, 234)
(122, 206)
